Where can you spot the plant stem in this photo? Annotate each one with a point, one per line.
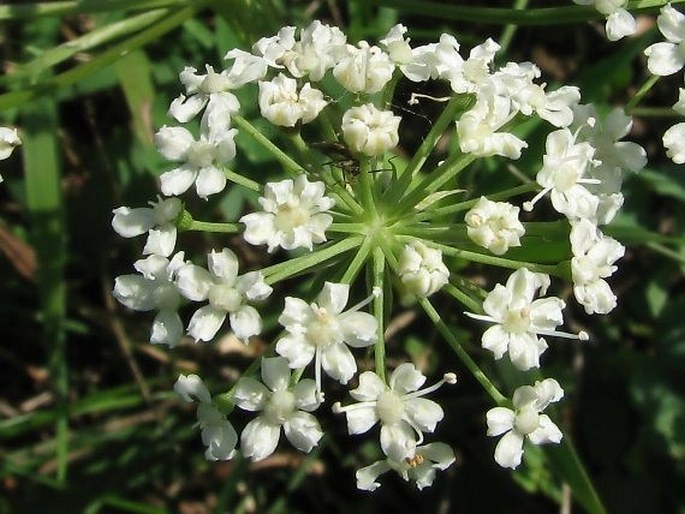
(378, 311)
(208, 226)
(357, 263)
(644, 89)
(34, 10)
(477, 373)
(241, 180)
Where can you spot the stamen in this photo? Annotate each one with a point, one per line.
(528, 206)
(375, 293)
(413, 100)
(447, 378)
(582, 335)
(337, 408)
(481, 317)
(317, 369)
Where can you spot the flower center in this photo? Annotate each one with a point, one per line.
(279, 407)
(290, 217)
(527, 420)
(214, 83)
(517, 321)
(390, 408)
(225, 297)
(166, 296)
(324, 330)
(200, 154)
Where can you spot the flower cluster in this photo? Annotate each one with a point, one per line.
(374, 218)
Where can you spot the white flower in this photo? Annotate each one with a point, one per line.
(421, 270)
(321, 330)
(478, 127)
(519, 319)
(674, 142)
(280, 406)
(247, 68)
(272, 49)
(564, 166)
(201, 160)
(494, 225)
(369, 130)
(613, 156)
(227, 294)
(515, 80)
(294, 215)
(470, 75)
(620, 23)
(674, 137)
(281, 104)
(154, 289)
(397, 47)
(211, 91)
(433, 61)
(365, 69)
(421, 468)
(667, 57)
(159, 221)
(217, 432)
(319, 49)
(399, 408)
(593, 257)
(9, 140)
(524, 421)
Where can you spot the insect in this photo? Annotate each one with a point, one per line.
(341, 154)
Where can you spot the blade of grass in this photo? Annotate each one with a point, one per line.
(84, 43)
(135, 77)
(44, 200)
(33, 10)
(49, 86)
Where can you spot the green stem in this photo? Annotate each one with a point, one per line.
(290, 165)
(466, 205)
(208, 226)
(463, 298)
(283, 270)
(357, 263)
(477, 373)
(447, 116)
(348, 228)
(493, 260)
(644, 89)
(241, 180)
(510, 29)
(500, 15)
(378, 311)
(366, 186)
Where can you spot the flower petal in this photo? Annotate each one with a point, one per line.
(205, 323)
(406, 378)
(250, 394)
(423, 413)
(500, 420)
(358, 328)
(191, 386)
(303, 431)
(275, 373)
(245, 322)
(509, 450)
(296, 349)
(366, 477)
(370, 387)
(167, 328)
(259, 439)
(398, 441)
(338, 362)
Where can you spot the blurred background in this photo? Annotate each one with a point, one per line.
(88, 418)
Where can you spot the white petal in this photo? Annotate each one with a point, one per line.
(525, 350)
(440, 454)
(398, 441)
(135, 292)
(167, 328)
(338, 362)
(333, 297)
(306, 397)
(509, 450)
(406, 378)
(360, 419)
(210, 181)
(194, 282)
(664, 58)
(303, 431)
(366, 477)
(161, 241)
(424, 414)
(250, 394)
(177, 181)
(500, 420)
(547, 391)
(246, 322)
(205, 323)
(275, 373)
(129, 222)
(358, 329)
(259, 439)
(184, 109)
(223, 264)
(620, 24)
(548, 432)
(173, 142)
(191, 386)
(496, 339)
(220, 440)
(252, 285)
(370, 387)
(294, 348)
(295, 312)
